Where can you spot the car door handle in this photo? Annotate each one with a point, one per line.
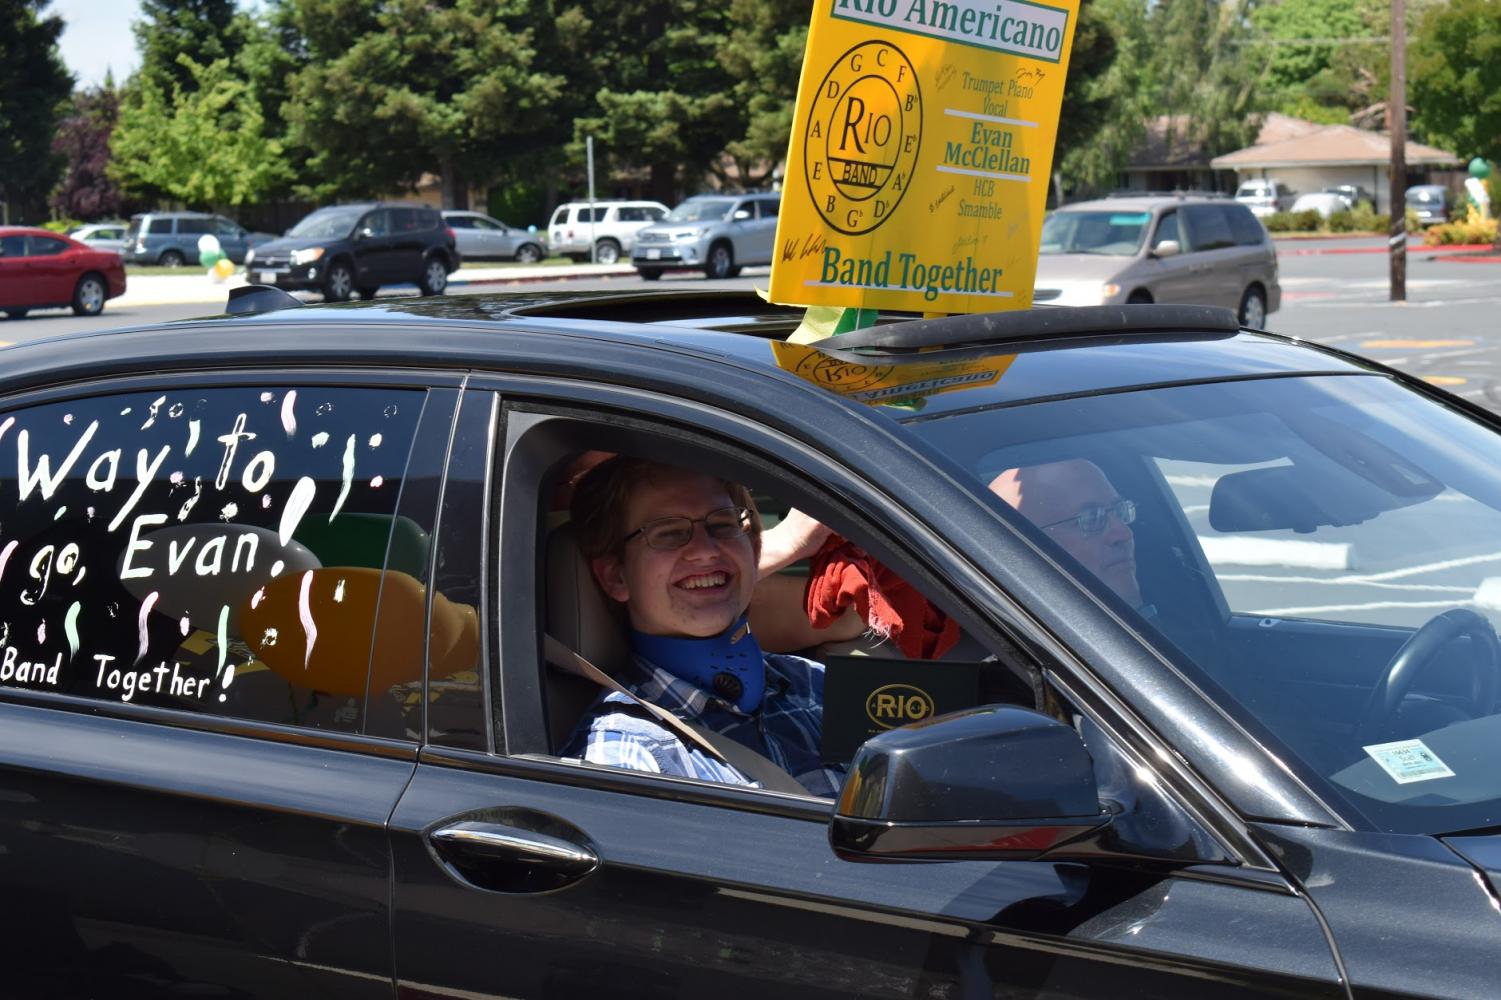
(507, 858)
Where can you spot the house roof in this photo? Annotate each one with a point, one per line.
(1166, 145)
(1330, 145)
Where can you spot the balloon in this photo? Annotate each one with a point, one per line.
(210, 257)
(223, 268)
(208, 243)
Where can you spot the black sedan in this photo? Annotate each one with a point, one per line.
(1218, 668)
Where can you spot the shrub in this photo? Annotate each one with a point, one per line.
(1292, 222)
(1469, 230)
(1365, 219)
(1340, 222)
(61, 225)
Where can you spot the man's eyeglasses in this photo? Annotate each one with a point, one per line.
(1093, 518)
(668, 533)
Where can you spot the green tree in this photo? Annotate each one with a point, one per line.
(202, 30)
(1103, 114)
(763, 54)
(205, 146)
(660, 89)
(394, 90)
(34, 89)
(1198, 67)
(1454, 77)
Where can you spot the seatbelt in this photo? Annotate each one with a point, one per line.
(739, 756)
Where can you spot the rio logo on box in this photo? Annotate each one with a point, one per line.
(898, 704)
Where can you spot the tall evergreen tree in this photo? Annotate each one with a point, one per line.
(34, 88)
(202, 30)
(665, 104)
(395, 90)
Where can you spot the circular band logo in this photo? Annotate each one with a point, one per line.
(864, 131)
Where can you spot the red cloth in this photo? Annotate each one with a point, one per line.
(842, 574)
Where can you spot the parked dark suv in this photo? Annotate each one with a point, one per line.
(346, 249)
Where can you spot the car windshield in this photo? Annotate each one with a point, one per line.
(1290, 536)
(327, 224)
(1109, 233)
(701, 210)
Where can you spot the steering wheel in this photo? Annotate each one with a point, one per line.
(1417, 652)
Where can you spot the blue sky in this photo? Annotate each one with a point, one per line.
(97, 38)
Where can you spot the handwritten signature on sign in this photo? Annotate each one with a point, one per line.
(809, 246)
(937, 203)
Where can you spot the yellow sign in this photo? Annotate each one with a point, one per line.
(921, 152)
(888, 383)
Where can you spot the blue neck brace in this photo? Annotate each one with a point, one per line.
(728, 665)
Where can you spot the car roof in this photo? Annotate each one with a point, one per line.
(1144, 203)
(1043, 353)
(28, 231)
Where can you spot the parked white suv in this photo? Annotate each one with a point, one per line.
(610, 225)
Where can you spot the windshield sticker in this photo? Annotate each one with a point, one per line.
(1408, 761)
(1135, 219)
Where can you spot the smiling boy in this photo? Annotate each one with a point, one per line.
(678, 550)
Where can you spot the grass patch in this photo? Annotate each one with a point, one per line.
(186, 269)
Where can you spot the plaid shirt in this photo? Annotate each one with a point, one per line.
(786, 729)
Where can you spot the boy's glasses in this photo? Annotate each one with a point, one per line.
(668, 533)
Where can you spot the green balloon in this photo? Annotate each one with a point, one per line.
(1479, 168)
(209, 258)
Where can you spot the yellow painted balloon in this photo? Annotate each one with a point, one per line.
(224, 267)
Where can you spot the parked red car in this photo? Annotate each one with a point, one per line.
(44, 270)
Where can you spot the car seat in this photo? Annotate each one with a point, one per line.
(581, 617)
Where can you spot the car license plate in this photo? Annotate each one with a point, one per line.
(654, 254)
(268, 277)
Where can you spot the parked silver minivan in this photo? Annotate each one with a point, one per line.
(1202, 251)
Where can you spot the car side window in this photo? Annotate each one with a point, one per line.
(656, 214)
(1209, 228)
(12, 246)
(463, 222)
(768, 208)
(488, 224)
(195, 226)
(1244, 227)
(215, 550)
(227, 228)
(378, 222)
(46, 246)
(822, 660)
(1167, 230)
(633, 213)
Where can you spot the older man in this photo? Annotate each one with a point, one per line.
(1076, 505)
(678, 550)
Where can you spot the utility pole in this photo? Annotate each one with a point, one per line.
(589, 156)
(1396, 122)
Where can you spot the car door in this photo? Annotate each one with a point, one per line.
(375, 256)
(519, 874)
(1217, 260)
(51, 269)
(14, 290)
(410, 228)
(466, 233)
(1173, 278)
(196, 783)
(496, 239)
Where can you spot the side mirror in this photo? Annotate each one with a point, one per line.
(741, 215)
(993, 783)
(1167, 248)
